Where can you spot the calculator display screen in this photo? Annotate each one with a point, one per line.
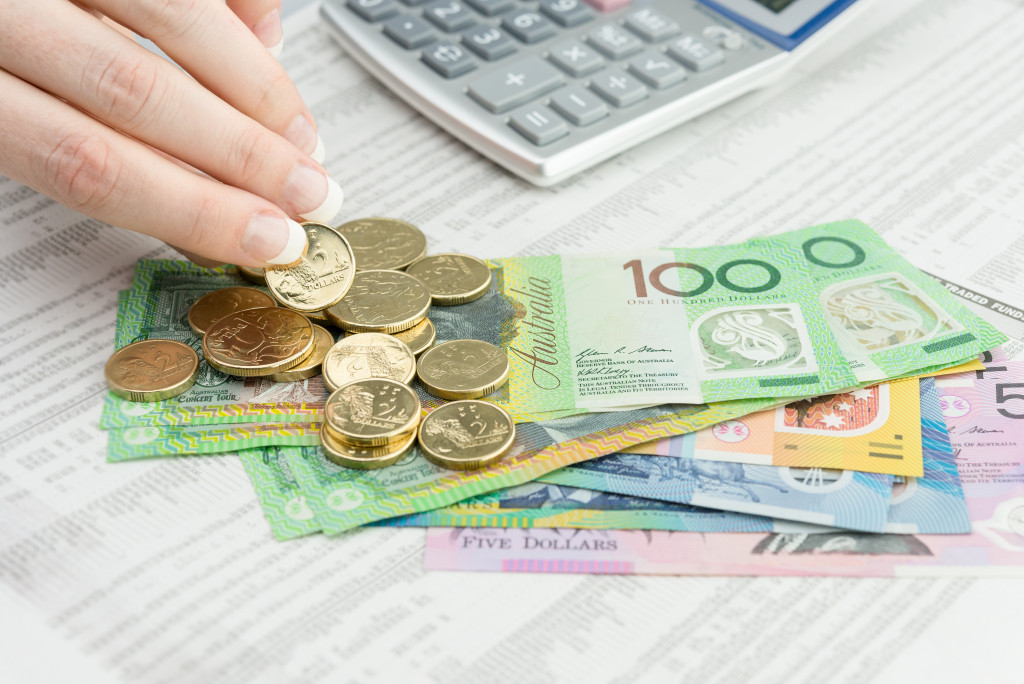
(784, 22)
(775, 5)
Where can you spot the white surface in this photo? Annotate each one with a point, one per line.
(165, 571)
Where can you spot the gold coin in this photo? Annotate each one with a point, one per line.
(465, 435)
(317, 317)
(419, 337)
(372, 412)
(384, 243)
(368, 355)
(463, 369)
(252, 274)
(258, 342)
(213, 306)
(320, 278)
(310, 365)
(382, 301)
(364, 458)
(151, 370)
(452, 278)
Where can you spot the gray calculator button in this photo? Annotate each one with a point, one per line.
(491, 7)
(695, 54)
(408, 31)
(618, 87)
(517, 83)
(489, 42)
(449, 15)
(579, 106)
(539, 125)
(656, 70)
(651, 25)
(528, 26)
(567, 12)
(413, 3)
(373, 10)
(614, 41)
(448, 59)
(576, 58)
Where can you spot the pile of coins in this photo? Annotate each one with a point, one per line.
(372, 279)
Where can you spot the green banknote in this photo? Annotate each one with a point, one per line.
(798, 314)
(153, 441)
(279, 494)
(777, 317)
(343, 498)
(539, 504)
(888, 317)
(157, 306)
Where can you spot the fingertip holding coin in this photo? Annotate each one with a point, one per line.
(331, 205)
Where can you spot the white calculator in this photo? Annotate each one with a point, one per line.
(548, 88)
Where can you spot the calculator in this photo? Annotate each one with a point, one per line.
(548, 88)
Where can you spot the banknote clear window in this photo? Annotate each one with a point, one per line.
(753, 341)
(883, 312)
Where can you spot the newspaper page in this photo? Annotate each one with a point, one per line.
(162, 571)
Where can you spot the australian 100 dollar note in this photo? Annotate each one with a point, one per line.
(154, 441)
(805, 313)
(280, 496)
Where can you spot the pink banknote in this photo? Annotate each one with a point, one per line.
(984, 411)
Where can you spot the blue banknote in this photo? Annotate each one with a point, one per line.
(933, 503)
(834, 498)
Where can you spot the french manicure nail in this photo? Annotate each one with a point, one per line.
(301, 133)
(319, 152)
(309, 187)
(273, 239)
(269, 31)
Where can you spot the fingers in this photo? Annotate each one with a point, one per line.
(61, 152)
(263, 18)
(214, 46)
(122, 84)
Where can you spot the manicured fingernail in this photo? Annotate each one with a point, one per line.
(273, 239)
(319, 152)
(315, 196)
(301, 133)
(269, 31)
(276, 49)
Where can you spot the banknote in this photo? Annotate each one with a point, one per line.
(836, 498)
(775, 316)
(343, 498)
(985, 416)
(157, 307)
(874, 429)
(537, 504)
(279, 494)
(153, 441)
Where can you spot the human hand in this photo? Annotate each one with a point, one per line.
(214, 166)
